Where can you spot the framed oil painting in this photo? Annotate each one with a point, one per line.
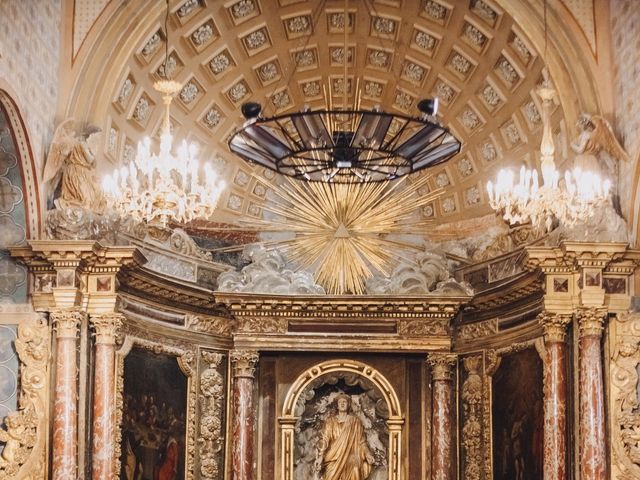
(518, 417)
(154, 417)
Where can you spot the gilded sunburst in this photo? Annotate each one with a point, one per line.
(341, 232)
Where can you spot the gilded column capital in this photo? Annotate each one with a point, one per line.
(554, 326)
(66, 322)
(441, 365)
(591, 321)
(106, 327)
(244, 362)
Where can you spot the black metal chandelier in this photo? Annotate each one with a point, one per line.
(344, 146)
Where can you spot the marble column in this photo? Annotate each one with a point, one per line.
(244, 363)
(442, 415)
(105, 327)
(65, 407)
(593, 454)
(555, 395)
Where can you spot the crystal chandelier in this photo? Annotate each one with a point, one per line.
(165, 187)
(566, 199)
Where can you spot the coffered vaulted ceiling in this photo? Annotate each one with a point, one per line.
(286, 53)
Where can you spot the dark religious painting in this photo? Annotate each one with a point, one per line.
(518, 417)
(154, 417)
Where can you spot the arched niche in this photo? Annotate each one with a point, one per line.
(312, 377)
(27, 216)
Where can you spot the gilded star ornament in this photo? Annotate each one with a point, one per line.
(346, 233)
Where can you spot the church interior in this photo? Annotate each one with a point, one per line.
(319, 239)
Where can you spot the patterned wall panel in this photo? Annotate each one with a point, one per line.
(29, 59)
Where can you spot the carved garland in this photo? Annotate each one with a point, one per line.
(476, 409)
(210, 435)
(625, 418)
(186, 359)
(25, 432)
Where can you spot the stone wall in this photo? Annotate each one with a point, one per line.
(625, 40)
(29, 59)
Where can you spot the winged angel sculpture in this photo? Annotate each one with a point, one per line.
(69, 170)
(595, 136)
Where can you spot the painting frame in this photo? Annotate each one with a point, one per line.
(185, 356)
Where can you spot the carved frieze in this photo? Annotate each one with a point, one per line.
(474, 331)
(214, 325)
(423, 327)
(261, 325)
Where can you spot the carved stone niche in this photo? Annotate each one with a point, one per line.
(310, 403)
(625, 396)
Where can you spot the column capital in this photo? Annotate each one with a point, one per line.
(66, 322)
(244, 362)
(106, 327)
(591, 321)
(441, 364)
(554, 326)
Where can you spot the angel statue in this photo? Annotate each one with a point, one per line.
(596, 135)
(70, 167)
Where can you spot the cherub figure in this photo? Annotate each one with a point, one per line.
(70, 167)
(12, 436)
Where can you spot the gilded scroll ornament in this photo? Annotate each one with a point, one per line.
(210, 434)
(213, 325)
(625, 432)
(262, 325)
(25, 432)
(420, 328)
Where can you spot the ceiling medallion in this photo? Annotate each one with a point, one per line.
(346, 233)
(344, 146)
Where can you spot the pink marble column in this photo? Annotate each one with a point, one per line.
(244, 362)
(105, 327)
(442, 419)
(65, 408)
(555, 395)
(593, 454)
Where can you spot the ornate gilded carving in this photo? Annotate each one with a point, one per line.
(424, 327)
(554, 326)
(25, 433)
(441, 365)
(473, 331)
(244, 362)
(625, 431)
(214, 325)
(476, 408)
(210, 434)
(472, 411)
(106, 327)
(262, 325)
